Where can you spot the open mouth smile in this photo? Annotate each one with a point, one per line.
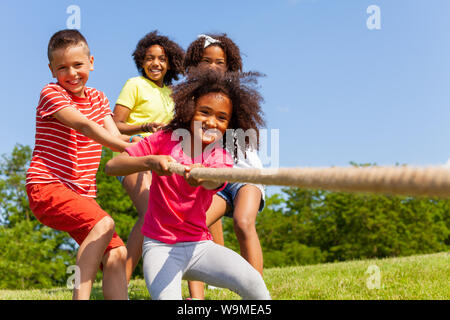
(74, 82)
(211, 134)
(155, 71)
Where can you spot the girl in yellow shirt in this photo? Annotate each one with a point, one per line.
(143, 106)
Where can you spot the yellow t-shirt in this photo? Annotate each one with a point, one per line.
(147, 102)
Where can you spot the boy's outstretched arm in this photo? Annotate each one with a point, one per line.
(111, 127)
(73, 118)
(124, 164)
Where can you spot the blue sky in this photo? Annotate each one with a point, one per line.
(337, 91)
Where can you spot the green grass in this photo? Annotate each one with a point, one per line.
(406, 278)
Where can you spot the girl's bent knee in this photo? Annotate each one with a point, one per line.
(244, 226)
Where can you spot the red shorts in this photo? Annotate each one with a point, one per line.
(63, 209)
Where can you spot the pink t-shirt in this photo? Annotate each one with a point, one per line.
(176, 211)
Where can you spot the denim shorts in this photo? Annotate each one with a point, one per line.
(120, 178)
(229, 194)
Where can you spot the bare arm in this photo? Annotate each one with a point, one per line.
(75, 119)
(111, 127)
(124, 164)
(120, 117)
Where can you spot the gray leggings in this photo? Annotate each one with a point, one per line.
(165, 265)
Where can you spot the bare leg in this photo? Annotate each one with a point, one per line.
(213, 215)
(114, 277)
(137, 186)
(90, 255)
(246, 205)
(196, 289)
(217, 232)
(216, 211)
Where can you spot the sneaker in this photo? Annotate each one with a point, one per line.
(213, 288)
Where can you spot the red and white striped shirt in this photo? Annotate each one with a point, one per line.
(62, 154)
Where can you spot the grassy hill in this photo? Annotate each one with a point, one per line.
(406, 278)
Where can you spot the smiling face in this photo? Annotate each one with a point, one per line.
(215, 58)
(156, 64)
(71, 67)
(211, 118)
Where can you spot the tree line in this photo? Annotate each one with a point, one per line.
(296, 227)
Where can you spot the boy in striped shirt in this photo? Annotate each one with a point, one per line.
(72, 123)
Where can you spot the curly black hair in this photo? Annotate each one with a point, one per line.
(195, 50)
(238, 87)
(174, 52)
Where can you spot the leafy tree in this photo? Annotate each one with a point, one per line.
(31, 255)
(358, 226)
(311, 226)
(13, 199)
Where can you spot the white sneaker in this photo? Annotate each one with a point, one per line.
(213, 288)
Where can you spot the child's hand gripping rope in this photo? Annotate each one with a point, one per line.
(160, 164)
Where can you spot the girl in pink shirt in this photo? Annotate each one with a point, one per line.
(177, 243)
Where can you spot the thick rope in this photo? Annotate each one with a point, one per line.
(407, 181)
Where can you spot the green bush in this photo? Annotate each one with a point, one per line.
(313, 226)
(31, 257)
